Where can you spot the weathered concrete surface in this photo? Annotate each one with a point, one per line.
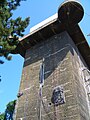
(62, 67)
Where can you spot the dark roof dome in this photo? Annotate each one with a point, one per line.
(70, 12)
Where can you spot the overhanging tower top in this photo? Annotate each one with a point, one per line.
(69, 14)
(44, 23)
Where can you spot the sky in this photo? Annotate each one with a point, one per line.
(38, 10)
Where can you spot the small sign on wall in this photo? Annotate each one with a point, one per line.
(58, 96)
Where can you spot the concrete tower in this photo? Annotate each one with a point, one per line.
(59, 44)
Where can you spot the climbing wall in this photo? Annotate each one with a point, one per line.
(63, 67)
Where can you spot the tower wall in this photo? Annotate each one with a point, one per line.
(63, 64)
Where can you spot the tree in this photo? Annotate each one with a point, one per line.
(10, 29)
(10, 110)
(2, 116)
(8, 115)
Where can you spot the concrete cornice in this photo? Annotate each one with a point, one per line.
(51, 27)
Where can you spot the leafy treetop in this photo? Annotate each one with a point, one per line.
(9, 111)
(10, 29)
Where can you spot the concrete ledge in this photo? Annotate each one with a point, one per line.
(49, 28)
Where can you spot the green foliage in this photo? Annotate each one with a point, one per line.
(10, 110)
(8, 115)
(2, 116)
(11, 106)
(10, 29)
